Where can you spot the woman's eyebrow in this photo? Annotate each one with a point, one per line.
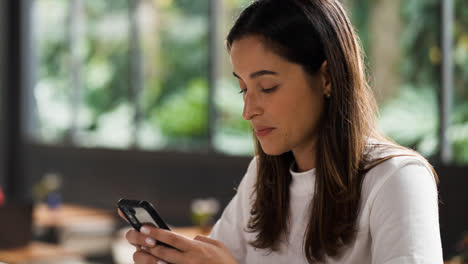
(257, 74)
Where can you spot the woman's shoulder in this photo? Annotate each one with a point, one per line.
(397, 162)
(399, 203)
(393, 163)
(385, 157)
(388, 155)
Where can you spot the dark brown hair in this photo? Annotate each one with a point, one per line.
(308, 33)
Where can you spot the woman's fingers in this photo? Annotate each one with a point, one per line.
(121, 215)
(168, 237)
(167, 254)
(148, 236)
(144, 257)
(199, 250)
(150, 247)
(137, 238)
(209, 240)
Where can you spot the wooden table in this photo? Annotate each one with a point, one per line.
(88, 231)
(68, 214)
(37, 251)
(62, 218)
(66, 218)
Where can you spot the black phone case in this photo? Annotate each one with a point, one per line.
(124, 204)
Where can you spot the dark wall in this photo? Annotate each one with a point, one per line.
(453, 209)
(99, 177)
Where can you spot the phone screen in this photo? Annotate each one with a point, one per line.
(140, 212)
(144, 217)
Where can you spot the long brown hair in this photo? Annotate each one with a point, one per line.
(310, 32)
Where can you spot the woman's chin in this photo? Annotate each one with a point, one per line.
(272, 150)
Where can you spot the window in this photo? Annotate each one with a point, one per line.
(403, 48)
(122, 73)
(135, 73)
(232, 133)
(147, 74)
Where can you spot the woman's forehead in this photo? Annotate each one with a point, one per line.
(251, 54)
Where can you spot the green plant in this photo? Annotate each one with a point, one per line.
(411, 116)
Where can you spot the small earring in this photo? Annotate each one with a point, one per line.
(328, 96)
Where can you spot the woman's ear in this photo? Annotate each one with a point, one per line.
(325, 78)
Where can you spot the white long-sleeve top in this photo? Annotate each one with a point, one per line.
(398, 220)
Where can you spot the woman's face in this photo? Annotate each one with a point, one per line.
(281, 101)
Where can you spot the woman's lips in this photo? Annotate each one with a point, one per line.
(263, 132)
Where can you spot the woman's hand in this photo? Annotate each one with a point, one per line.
(201, 249)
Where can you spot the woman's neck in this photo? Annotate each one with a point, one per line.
(305, 159)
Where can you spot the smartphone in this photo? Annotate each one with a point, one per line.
(139, 213)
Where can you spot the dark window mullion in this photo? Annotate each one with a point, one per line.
(11, 103)
(3, 35)
(75, 64)
(136, 80)
(214, 11)
(28, 72)
(446, 93)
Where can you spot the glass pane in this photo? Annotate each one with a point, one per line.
(401, 41)
(176, 72)
(232, 133)
(50, 91)
(105, 112)
(121, 73)
(459, 127)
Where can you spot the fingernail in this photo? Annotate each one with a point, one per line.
(161, 262)
(145, 230)
(144, 248)
(150, 241)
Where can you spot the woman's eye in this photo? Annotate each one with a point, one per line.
(265, 90)
(269, 90)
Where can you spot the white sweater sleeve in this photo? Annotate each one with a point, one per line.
(404, 219)
(230, 228)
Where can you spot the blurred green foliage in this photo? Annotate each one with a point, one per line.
(184, 113)
(232, 133)
(175, 57)
(411, 117)
(230, 105)
(181, 110)
(175, 92)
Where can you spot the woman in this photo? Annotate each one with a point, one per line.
(325, 185)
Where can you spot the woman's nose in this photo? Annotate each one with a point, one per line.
(252, 107)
